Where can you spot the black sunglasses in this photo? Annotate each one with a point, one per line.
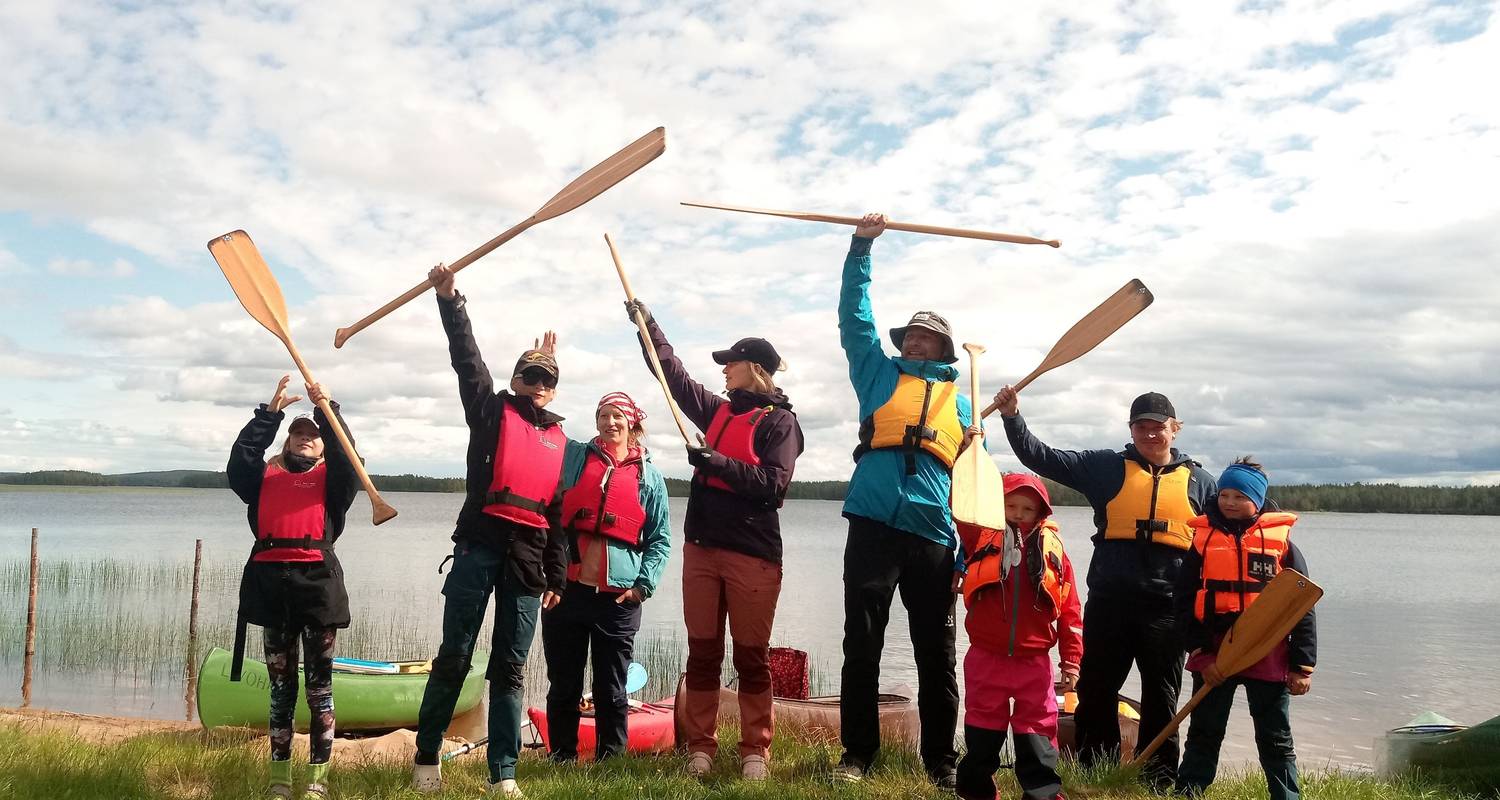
(532, 377)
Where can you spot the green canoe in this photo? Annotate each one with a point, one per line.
(1462, 756)
(362, 702)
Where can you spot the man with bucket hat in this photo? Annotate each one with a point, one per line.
(1143, 497)
(913, 420)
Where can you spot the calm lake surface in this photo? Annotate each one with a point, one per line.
(1406, 625)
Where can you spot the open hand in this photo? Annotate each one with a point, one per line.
(442, 279)
(871, 225)
(280, 399)
(547, 344)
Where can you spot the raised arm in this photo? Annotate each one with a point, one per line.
(247, 458)
(343, 481)
(868, 364)
(475, 386)
(696, 402)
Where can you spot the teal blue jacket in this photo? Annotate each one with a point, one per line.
(629, 567)
(880, 489)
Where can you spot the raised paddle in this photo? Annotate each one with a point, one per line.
(1278, 608)
(584, 188)
(978, 494)
(910, 227)
(259, 293)
(1086, 334)
(640, 325)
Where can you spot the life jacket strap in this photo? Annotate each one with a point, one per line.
(291, 543)
(505, 497)
(1248, 587)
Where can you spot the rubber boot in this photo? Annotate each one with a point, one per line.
(317, 782)
(281, 780)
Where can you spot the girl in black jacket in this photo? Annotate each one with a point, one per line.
(293, 585)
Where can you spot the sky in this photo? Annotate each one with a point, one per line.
(1307, 188)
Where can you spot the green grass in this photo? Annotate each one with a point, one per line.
(231, 764)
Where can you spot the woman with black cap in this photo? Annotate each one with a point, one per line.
(293, 586)
(731, 562)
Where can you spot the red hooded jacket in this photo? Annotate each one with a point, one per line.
(1012, 617)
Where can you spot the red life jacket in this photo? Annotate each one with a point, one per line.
(290, 516)
(606, 500)
(733, 435)
(528, 463)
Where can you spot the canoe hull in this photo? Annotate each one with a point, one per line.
(817, 718)
(648, 729)
(1130, 728)
(362, 702)
(1460, 756)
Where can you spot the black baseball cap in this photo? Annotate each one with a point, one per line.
(1153, 406)
(536, 359)
(752, 349)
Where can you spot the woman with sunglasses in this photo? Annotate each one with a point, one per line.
(293, 586)
(614, 514)
(731, 562)
(503, 544)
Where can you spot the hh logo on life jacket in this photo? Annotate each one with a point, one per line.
(1261, 567)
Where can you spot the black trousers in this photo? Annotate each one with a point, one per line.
(1119, 631)
(1035, 765)
(878, 560)
(588, 618)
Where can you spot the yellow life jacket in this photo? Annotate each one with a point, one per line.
(1152, 506)
(1235, 569)
(984, 555)
(921, 414)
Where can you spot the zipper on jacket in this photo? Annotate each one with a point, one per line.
(1015, 596)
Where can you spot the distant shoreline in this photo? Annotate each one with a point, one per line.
(1354, 498)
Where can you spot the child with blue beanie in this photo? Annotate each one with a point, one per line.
(1238, 547)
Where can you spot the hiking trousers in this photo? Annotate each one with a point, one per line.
(1270, 710)
(1012, 692)
(878, 560)
(588, 619)
(477, 572)
(1119, 631)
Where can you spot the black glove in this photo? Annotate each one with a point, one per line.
(632, 306)
(703, 458)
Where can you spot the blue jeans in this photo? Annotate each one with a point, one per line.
(1270, 709)
(478, 571)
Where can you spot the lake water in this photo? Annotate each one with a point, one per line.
(1406, 624)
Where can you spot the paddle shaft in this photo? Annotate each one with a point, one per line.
(1166, 733)
(414, 292)
(640, 324)
(910, 227)
(974, 351)
(382, 510)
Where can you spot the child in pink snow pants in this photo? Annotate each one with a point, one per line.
(1019, 592)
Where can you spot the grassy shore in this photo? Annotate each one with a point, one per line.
(196, 765)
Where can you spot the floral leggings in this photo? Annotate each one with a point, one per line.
(281, 663)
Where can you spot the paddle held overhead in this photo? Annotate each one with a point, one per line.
(584, 188)
(260, 294)
(910, 227)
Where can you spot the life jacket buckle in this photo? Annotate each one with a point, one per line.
(609, 518)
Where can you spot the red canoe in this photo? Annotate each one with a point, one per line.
(649, 728)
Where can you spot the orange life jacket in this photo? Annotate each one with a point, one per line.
(1236, 568)
(528, 465)
(290, 516)
(606, 500)
(733, 435)
(1042, 557)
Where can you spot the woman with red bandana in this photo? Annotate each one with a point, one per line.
(614, 515)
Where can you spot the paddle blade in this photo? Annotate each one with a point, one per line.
(978, 490)
(1279, 607)
(252, 281)
(607, 173)
(635, 678)
(1086, 334)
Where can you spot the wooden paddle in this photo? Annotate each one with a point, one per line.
(584, 188)
(1267, 622)
(978, 496)
(259, 293)
(895, 226)
(1086, 334)
(640, 324)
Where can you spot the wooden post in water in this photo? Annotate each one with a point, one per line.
(30, 623)
(190, 692)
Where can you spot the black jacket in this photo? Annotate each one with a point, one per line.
(1302, 644)
(539, 556)
(1119, 568)
(747, 519)
(293, 595)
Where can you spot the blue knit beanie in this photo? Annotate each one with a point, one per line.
(1247, 479)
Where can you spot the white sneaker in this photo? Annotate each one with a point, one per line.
(699, 764)
(754, 768)
(848, 773)
(507, 789)
(427, 777)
